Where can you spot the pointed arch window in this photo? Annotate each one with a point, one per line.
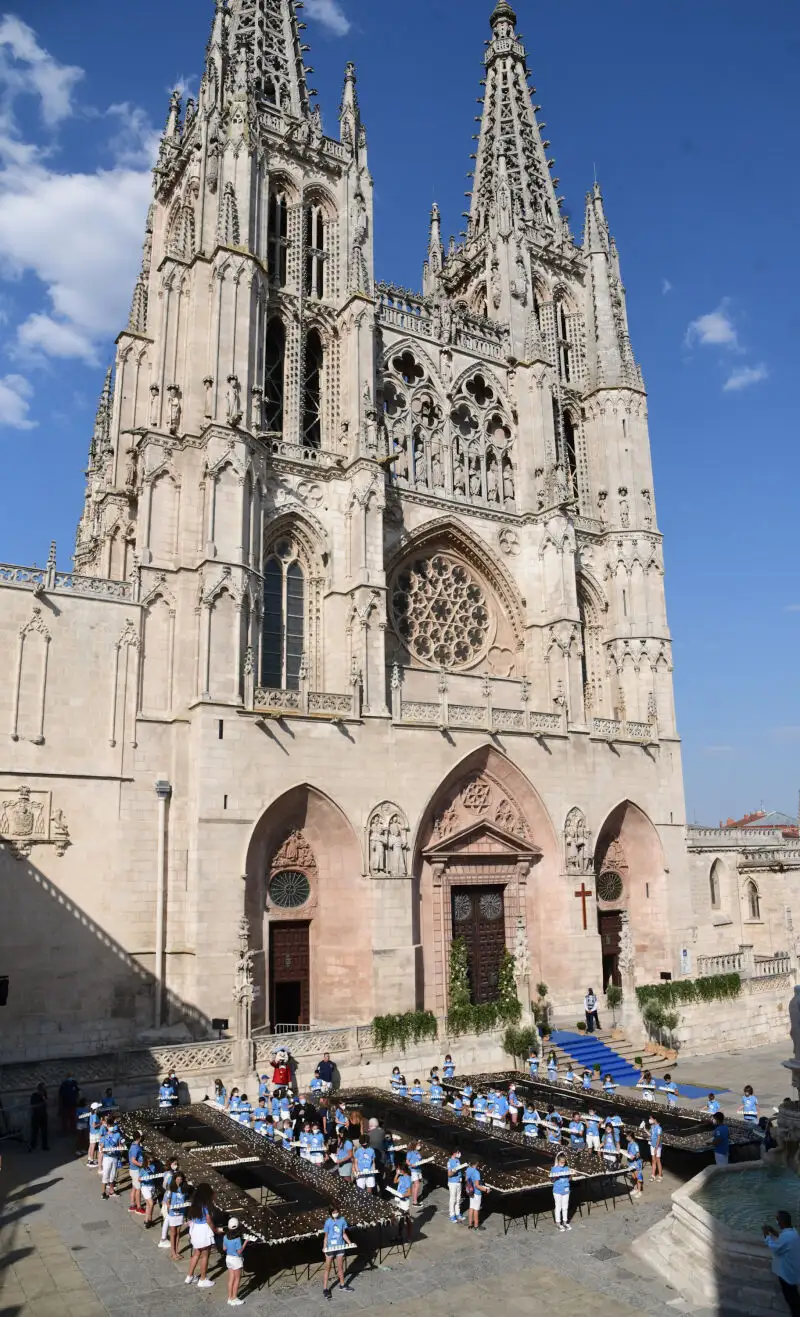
(274, 368)
(283, 631)
(563, 342)
(278, 238)
(316, 253)
(753, 898)
(714, 885)
(312, 390)
(570, 458)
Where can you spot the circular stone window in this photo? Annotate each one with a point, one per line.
(441, 613)
(289, 889)
(609, 887)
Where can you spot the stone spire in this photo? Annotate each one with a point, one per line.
(101, 435)
(265, 54)
(435, 262)
(610, 360)
(351, 129)
(510, 134)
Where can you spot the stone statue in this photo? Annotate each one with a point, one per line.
(378, 846)
(458, 478)
(627, 955)
(234, 400)
(577, 843)
(397, 850)
(173, 408)
(208, 385)
(492, 484)
(508, 481)
(475, 478)
(155, 401)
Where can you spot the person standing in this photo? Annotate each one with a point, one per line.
(166, 1185)
(175, 1201)
(39, 1118)
(475, 1191)
(560, 1174)
(454, 1173)
(335, 1244)
(233, 1246)
(112, 1148)
(201, 1235)
(721, 1139)
(590, 1011)
(68, 1095)
(95, 1121)
(136, 1166)
(784, 1244)
(326, 1071)
(656, 1136)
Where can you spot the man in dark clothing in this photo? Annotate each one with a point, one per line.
(326, 1070)
(39, 1117)
(377, 1141)
(68, 1095)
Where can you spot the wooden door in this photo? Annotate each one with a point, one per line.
(289, 974)
(479, 917)
(609, 925)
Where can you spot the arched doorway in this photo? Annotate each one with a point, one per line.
(483, 835)
(303, 876)
(631, 893)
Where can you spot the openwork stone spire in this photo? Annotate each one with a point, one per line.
(512, 173)
(266, 54)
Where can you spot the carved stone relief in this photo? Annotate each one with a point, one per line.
(27, 819)
(387, 843)
(480, 797)
(577, 843)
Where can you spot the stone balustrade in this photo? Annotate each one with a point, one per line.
(304, 703)
(613, 729)
(746, 963)
(731, 962)
(47, 579)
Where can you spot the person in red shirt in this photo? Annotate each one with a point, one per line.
(281, 1070)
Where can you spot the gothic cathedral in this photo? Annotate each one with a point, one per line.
(366, 639)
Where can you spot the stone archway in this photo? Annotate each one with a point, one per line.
(630, 883)
(482, 836)
(303, 881)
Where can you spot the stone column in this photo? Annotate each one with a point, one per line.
(163, 792)
(243, 1048)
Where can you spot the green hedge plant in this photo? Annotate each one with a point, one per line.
(395, 1032)
(716, 987)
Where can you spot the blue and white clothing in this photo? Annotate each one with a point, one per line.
(176, 1212)
(500, 1107)
(404, 1190)
(334, 1228)
(395, 1081)
(276, 1108)
(233, 1248)
(448, 1070)
(286, 1108)
(656, 1134)
(221, 1096)
(457, 1105)
(417, 1093)
(616, 1124)
(635, 1158)
(514, 1100)
(560, 1175)
(244, 1113)
(530, 1122)
(315, 1086)
(148, 1178)
(343, 1158)
(592, 1123)
(609, 1148)
(437, 1094)
(552, 1070)
(136, 1156)
(413, 1158)
(647, 1086)
(94, 1126)
(587, 1081)
(263, 1087)
(466, 1093)
(304, 1139)
(340, 1118)
(454, 1170)
(402, 1090)
(576, 1138)
(671, 1091)
(166, 1096)
(365, 1167)
(609, 1087)
(479, 1107)
(317, 1148)
(533, 1066)
(570, 1075)
(260, 1118)
(287, 1137)
(554, 1134)
(712, 1106)
(234, 1104)
(113, 1144)
(750, 1108)
(473, 1178)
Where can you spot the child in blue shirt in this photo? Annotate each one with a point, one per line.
(457, 1105)
(336, 1241)
(671, 1091)
(712, 1106)
(530, 1122)
(609, 1087)
(533, 1064)
(261, 1116)
(610, 1153)
(365, 1164)
(263, 1087)
(647, 1086)
(467, 1094)
(395, 1079)
(576, 1132)
(552, 1067)
(233, 1246)
(402, 1087)
(656, 1134)
(416, 1093)
(721, 1139)
(634, 1155)
(515, 1104)
(615, 1122)
(448, 1070)
(592, 1123)
(220, 1095)
(553, 1122)
(437, 1094)
(749, 1107)
(287, 1135)
(316, 1146)
(475, 1191)
(479, 1109)
(570, 1075)
(587, 1081)
(413, 1159)
(560, 1174)
(454, 1172)
(149, 1179)
(315, 1087)
(234, 1103)
(403, 1191)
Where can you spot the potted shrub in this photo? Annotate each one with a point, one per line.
(613, 1000)
(580, 1025)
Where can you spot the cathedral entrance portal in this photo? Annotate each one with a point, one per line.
(289, 973)
(479, 918)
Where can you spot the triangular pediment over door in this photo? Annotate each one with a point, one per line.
(481, 839)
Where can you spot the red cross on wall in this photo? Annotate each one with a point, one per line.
(582, 895)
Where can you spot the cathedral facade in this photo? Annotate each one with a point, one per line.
(366, 638)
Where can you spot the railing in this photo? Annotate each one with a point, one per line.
(730, 963)
(612, 729)
(301, 703)
(40, 579)
(119, 1067)
(767, 967)
(475, 717)
(314, 457)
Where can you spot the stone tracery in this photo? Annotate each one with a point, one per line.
(441, 613)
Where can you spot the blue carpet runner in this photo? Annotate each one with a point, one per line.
(588, 1051)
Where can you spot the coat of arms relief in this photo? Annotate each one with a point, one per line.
(27, 819)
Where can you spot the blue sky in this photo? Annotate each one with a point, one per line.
(688, 113)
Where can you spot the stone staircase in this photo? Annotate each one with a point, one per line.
(621, 1065)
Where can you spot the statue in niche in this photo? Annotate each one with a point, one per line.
(446, 322)
(648, 507)
(155, 399)
(401, 466)
(437, 470)
(504, 213)
(624, 510)
(492, 482)
(508, 481)
(577, 843)
(475, 477)
(538, 476)
(420, 466)
(234, 400)
(627, 954)
(173, 408)
(387, 841)
(459, 485)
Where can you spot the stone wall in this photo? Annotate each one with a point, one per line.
(755, 1018)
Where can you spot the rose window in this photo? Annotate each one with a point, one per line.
(289, 889)
(441, 612)
(609, 887)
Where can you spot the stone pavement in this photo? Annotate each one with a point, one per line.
(759, 1066)
(64, 1251)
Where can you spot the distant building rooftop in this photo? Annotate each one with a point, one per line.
(773, 819)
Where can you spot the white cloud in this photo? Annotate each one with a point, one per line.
(716, 329)
(666, 287)
(330, 14)
(26, 68)
(744, 377)
(15, 395)
(79, 234)
(184, 84)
